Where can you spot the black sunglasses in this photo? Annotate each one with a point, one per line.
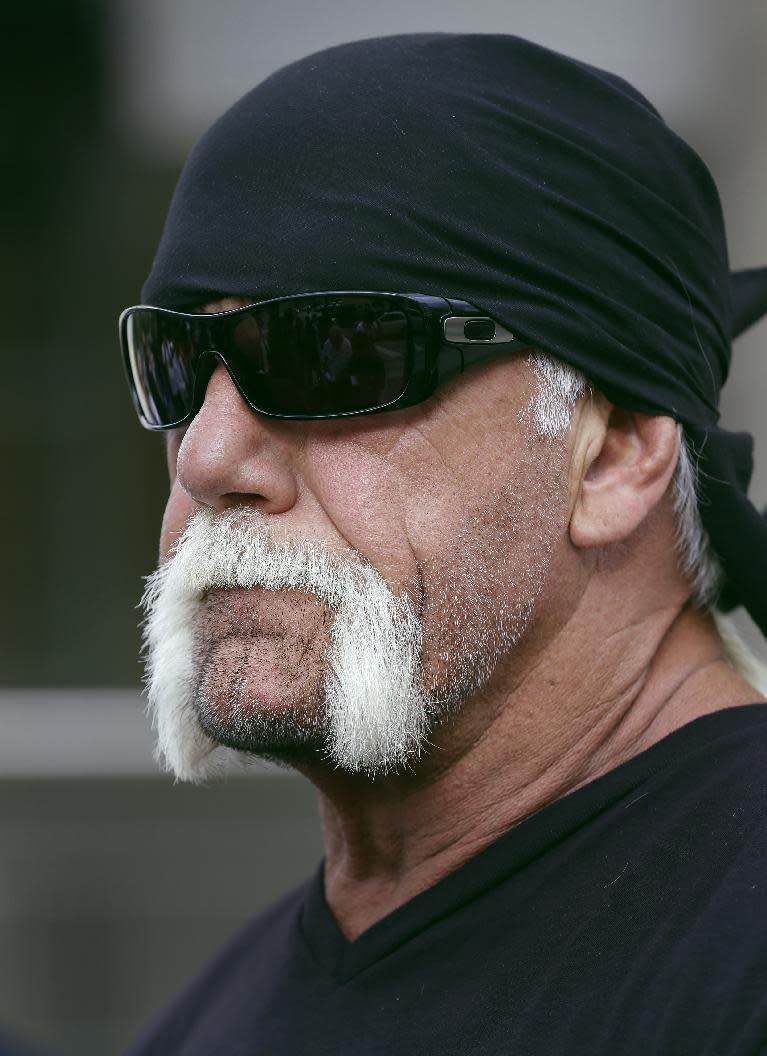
(317, 355)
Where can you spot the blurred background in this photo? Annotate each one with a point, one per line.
(114, 884)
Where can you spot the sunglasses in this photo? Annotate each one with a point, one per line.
(317, 355)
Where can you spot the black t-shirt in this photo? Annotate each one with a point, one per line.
(628, 917)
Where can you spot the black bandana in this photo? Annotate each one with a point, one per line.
(485, 167)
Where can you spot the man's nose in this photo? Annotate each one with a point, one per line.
(231, 456)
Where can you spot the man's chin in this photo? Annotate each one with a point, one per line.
(292, 735)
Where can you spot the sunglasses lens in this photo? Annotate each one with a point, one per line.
(323, 355)
(161, 352)
(302, 356)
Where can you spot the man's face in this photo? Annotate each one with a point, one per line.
(451, 513)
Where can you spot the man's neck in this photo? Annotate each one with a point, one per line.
(575, 714)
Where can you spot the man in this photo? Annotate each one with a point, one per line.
(475, 611)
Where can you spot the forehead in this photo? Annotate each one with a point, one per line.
(226, 304)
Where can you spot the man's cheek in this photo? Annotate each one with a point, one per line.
(365, 499)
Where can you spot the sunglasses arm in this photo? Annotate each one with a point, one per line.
(456, 358)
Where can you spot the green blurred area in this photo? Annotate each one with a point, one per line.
(113, 894)
(85, 484)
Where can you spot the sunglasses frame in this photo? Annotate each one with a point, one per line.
(440, 352)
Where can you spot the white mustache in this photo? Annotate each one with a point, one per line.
(377, 712)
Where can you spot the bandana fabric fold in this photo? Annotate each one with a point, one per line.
(485, 167)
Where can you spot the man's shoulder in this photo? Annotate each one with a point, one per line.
(723, 756)
(249, 949)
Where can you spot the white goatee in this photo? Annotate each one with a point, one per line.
(376, 713)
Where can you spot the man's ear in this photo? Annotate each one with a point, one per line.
(626, 462)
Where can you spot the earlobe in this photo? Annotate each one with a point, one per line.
(628, 465)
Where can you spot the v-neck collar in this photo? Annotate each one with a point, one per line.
(507, 855)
